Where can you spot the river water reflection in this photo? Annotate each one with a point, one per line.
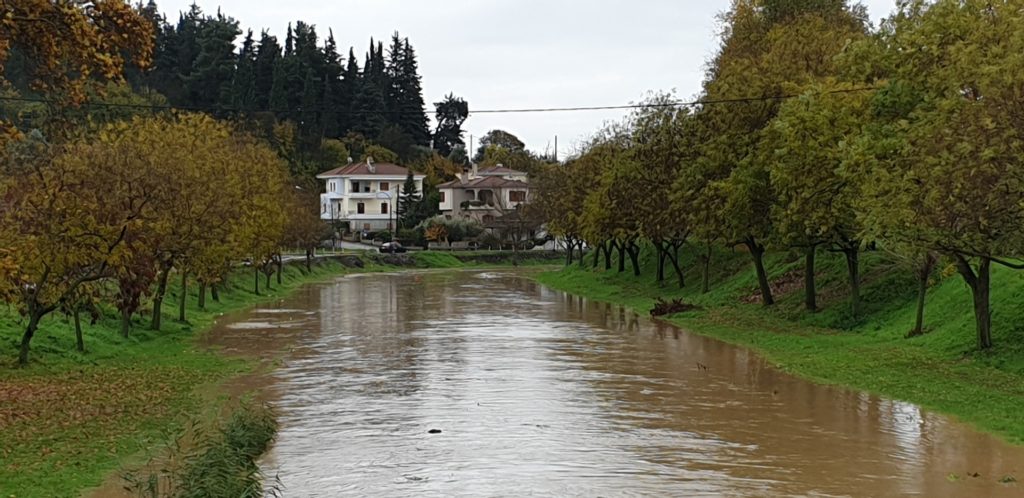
(537, 392)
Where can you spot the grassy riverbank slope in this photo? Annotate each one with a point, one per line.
(70, 419)
(941, 370)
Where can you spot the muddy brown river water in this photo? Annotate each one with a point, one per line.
(541, 393)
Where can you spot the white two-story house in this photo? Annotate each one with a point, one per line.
(485, 194)
(364, 194)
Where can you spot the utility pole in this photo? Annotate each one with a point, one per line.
(556, 148)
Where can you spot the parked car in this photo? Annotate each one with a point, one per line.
(392, 247)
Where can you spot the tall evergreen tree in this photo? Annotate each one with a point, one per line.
(404, 95)
(331, 100)
(278, 91)
(408, 199)
(209, 82)
(267, 55)
(243, 85)
(450, 113)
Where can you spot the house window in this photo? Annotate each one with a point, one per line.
(488, 219)
(366, 186)
(517, 196)
(383, 208)
(355, 186)
(361, 208)
(442, 196)
(385, 186)
(366, 226)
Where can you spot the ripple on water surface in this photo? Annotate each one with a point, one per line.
(487, 384)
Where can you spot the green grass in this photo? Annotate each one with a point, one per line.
(941, 370)
(69, 419)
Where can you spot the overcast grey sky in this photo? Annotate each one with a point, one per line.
(521, 53)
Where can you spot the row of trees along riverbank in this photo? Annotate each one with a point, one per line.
(106, 192)
(818, 132)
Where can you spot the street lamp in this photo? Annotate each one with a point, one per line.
(391, 208)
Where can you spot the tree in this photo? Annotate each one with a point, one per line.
(304, 230)
(449, 113)
(95, 38)
(946, 168)
(817, 196)
(408, 199)
(765, 51)
(65, 223)
(498, 138)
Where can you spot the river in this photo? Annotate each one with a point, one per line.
(537, 392)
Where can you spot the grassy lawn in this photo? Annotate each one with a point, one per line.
(941, 370)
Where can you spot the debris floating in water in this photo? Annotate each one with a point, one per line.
(434, 431)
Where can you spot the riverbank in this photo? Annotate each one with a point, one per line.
(71, 419)
(940, 370)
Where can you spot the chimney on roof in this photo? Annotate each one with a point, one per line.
(349, 160)
(475, 171)
(463, 175)
(369, 164)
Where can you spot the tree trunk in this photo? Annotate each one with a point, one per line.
(280, 268)
(923, 273)
(622, 256)
(126, 322)
(979, 283)
(26, 338)
(597, 254)
(608, 255)
(184, 296)
(810, 291)
(202, 295)
(634, 253)
(659, 274)
(853, 268)
(256, 280)
(757, 252)
(214, 293)
(268, 280)
(705, 284)
(581, 252)
(673, 258)
(79, 341)
(570, 247)
(309, 260)
(158, 298)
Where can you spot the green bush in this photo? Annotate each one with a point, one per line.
(222, 464)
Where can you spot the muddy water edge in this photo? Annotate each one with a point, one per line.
(485, 383)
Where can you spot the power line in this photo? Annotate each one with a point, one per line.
(673, 103)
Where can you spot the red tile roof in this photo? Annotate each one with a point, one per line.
(484, 182)
(360, 169)
(499, 170)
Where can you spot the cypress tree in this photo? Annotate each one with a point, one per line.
(278, 92)
(408, 200)
(413, 109)
(209, 82)
(243, 85)
(267, 55)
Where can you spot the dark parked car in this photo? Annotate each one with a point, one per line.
(392, 247)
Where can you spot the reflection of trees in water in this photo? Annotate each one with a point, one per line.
(647, 370)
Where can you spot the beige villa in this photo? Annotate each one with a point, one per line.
(485, 194)
(364, 194)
